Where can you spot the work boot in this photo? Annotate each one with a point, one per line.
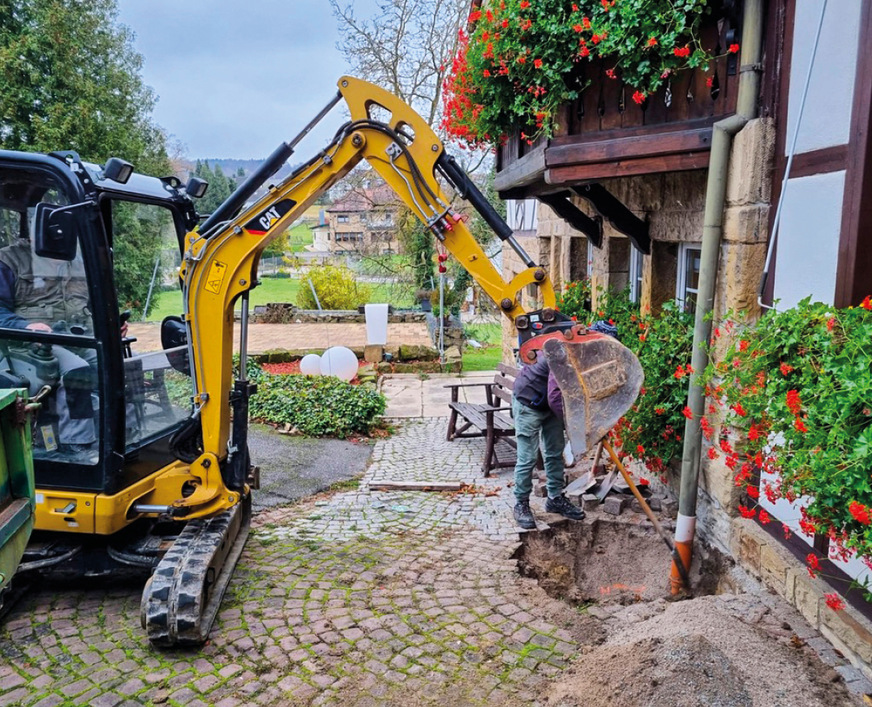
(563, 506)
(524, 516)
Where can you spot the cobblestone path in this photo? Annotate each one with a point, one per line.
(360, 598)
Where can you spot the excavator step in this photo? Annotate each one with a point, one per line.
(181, 598)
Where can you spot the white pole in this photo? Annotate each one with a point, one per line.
(150, 287)
(442, 318)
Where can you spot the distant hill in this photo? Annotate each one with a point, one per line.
(231, 167)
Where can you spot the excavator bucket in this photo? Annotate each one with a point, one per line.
(600, 379)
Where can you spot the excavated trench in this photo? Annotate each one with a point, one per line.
(608, 560)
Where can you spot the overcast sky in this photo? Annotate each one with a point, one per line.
(234, 79)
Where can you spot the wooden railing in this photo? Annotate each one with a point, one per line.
(604, 133)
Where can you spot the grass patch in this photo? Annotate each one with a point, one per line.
(273, 289)
(484, 359)
(299, 237)
(346, 485)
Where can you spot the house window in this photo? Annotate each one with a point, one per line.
(342, 218)
(590, 254)
(688, 276)
(635, 274)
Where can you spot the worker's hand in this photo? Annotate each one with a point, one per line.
(39, 326)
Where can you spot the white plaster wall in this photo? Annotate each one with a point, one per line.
(808, 239)
(826, 119)
(521, 214)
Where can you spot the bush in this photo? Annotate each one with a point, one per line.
(317, 405)
(336, 286)
(797, 391)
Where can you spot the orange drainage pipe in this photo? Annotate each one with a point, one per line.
(680, 560)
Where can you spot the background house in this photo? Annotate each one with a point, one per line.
(364, 220)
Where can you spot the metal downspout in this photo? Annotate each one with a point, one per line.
(713, 226)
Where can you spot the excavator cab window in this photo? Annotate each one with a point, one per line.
(46, 328)
(157, 395)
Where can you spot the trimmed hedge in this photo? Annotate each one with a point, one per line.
(317, 405)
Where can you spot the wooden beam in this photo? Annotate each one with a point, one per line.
(653, 145)
(416, 486)
(521, 172)
(855, 243)
(827, 159)
(567, 176)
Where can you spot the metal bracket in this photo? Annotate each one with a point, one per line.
(575, 217)
(622, 219)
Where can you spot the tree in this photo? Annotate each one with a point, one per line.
(71, 80)
(406, 47)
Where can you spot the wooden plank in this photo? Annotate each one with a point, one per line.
(855, 243)
(827, 159)
(504, 381)
(522, 171)
(503, 394)
(626, 168)
(416, 486)
(508, 370)
(651, 145)
(634, 132)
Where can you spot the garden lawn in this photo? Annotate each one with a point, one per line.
(271, 289)
(491, 353)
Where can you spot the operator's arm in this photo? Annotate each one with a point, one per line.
(8, 318)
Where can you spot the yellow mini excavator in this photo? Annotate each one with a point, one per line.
(141, 459)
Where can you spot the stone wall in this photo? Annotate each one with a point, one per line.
(283, 313)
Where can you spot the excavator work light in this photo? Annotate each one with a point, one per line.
(117, 170)
(196, 187)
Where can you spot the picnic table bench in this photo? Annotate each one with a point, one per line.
(491, 420)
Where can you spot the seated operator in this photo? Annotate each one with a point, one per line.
(46, 295)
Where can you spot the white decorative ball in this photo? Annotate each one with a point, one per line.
(310, 365)
(339, 361)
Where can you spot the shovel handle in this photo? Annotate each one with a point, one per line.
(679, 563)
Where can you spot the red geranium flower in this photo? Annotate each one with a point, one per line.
(738, 409)
(860, 512)
(867, 302)
(577, 28)
(639, 97)
(652, 42)
(785, 368)
(834, 601)
(752, 491)
(687, 412)
(734, 49)
(537, 63)
(792, 401)
(681, 51)
(764, 517)
(799, 425)
(747, 512)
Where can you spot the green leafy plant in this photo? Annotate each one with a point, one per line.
(521, 59)
(652, 430)
(336, 286)
(317, 405)
(795, 392)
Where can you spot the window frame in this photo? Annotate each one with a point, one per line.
(681, 287)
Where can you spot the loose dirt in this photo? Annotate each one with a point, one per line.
(730, 646)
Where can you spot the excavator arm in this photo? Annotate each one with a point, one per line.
(221, 257)
(209, 486)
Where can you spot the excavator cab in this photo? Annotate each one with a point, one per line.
(108, 406)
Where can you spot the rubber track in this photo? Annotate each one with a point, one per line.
(182, 597)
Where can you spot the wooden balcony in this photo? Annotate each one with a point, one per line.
(605, 134)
